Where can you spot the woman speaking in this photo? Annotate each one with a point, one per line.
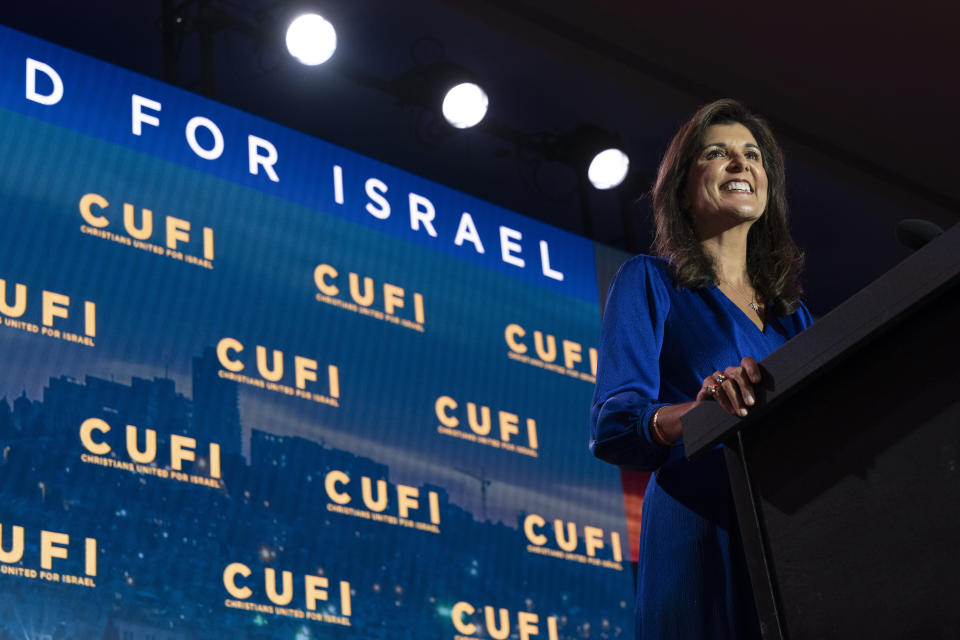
(687, 326)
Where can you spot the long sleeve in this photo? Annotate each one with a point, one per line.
(628, 368)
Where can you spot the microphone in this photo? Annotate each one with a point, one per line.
(914, 233)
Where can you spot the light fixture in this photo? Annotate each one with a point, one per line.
(311, 39)
(608, 168)
(465, 105)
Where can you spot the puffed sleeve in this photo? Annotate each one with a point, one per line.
(628, 368)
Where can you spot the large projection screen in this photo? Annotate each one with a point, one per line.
(254, 385)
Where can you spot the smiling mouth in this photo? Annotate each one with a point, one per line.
(737, 186)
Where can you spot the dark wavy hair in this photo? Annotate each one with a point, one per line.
(774, 261)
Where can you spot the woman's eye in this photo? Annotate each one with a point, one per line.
(714, 153)
(752, 155)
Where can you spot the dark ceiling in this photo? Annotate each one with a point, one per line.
(864, 98)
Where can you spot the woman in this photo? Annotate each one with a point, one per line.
(687, 327)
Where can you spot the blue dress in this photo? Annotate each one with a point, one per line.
(657, 345)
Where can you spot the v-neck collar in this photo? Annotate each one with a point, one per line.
(740, 312)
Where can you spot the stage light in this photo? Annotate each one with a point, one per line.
(608, 168)
(311, 39)
(465, 105)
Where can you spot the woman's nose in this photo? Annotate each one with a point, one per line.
(737, 163)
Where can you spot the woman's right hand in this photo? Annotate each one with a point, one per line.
(733, 391)
(732, 388)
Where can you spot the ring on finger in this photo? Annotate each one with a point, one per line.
(712, 390)
(720, 378)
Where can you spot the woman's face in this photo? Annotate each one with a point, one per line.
(726, 181)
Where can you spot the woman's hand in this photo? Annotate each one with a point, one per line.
(732, 388)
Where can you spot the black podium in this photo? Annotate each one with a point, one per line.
(846, 477)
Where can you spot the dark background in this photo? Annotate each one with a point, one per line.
(863, 98)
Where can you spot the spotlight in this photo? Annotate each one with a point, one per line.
(608, 168)
(311, 39)
(465, 105)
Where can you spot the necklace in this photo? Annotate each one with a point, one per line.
(750, 301)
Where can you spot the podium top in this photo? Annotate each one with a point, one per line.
(851, 326)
